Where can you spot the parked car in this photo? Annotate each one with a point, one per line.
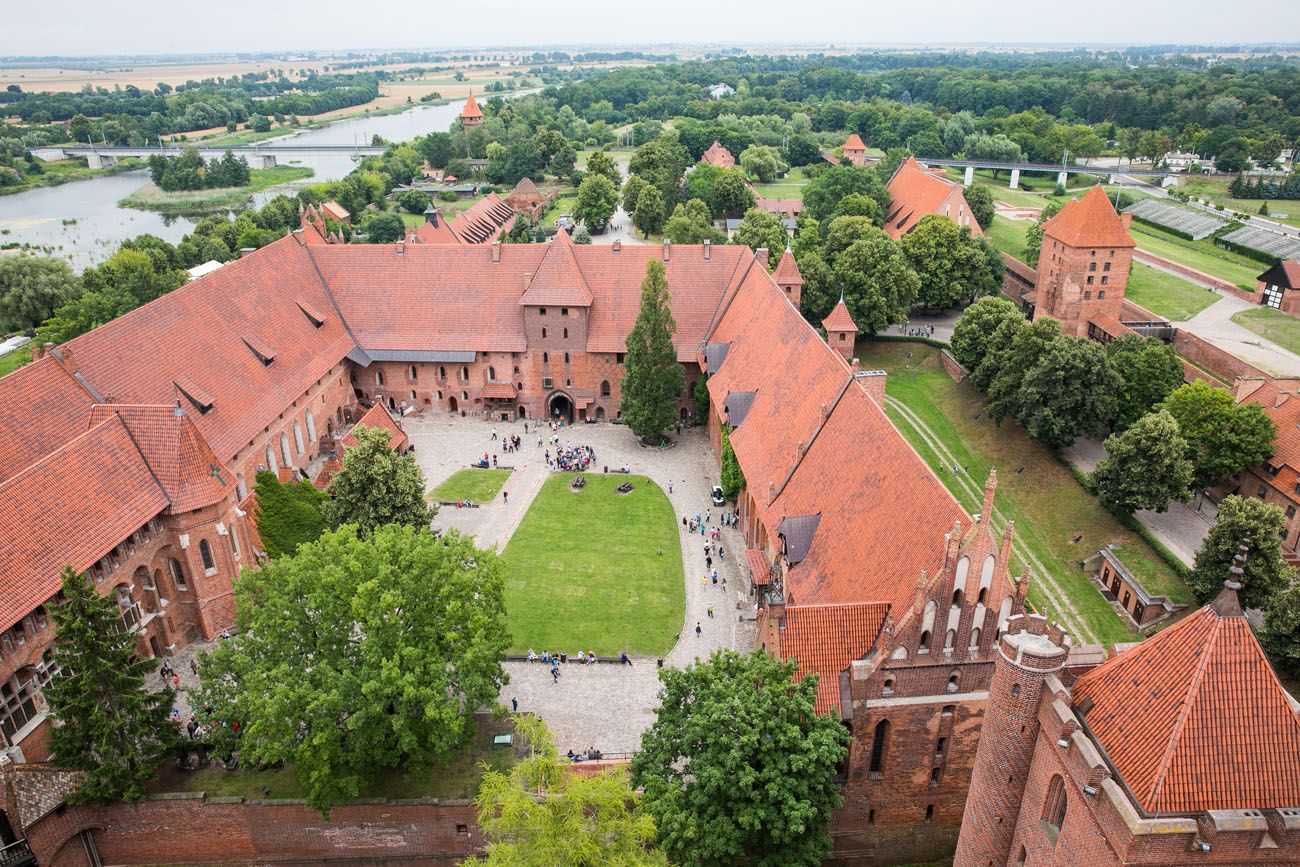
(716, 493)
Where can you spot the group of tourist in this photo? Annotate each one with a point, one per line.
(922, 331)
(549, 658)
(573, 459)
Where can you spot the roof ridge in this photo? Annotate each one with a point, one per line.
(1189, 701)
(732, 291)
(803, 452)
(49, 456)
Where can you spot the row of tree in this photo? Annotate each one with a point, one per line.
(188, 171)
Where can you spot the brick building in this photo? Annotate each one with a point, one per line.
(1277, 480)
(1182, 750)
(1083, 266)
(718, 157)
(1279, 287)
(915, 193)
(471, 115)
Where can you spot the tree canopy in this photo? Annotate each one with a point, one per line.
(824, 191)
(541, 814)
(972, 336)
(716, 765)
(877, 284)
(951, 264)
(597, 201)
(288, 515)
(763, 230)
(1145, 467)
(1223, 437)
(356, 655)
(980, 199)
(654, 379)
(376, 486)
(1150, 370)
(1259, 525)
(32, 288)
(109, 726)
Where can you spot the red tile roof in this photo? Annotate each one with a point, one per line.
(436, 231)
(191, 475)
(840, 319)
(1110, 325)
(854, 143)
(718, 156)
(1089, 222)
(915, 193)
(192, 339)
(825, 639)
(484, 221)
(335, 210)
(377, 417)
(471, 109)
(499, 391)
(525, 196)
(787, 270)
(1194, 718)
(71, 508)
(557, 281)
(1280, 399)
(44, 407)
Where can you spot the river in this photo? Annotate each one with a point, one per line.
(82, 222)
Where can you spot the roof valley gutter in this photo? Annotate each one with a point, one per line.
(329, 293)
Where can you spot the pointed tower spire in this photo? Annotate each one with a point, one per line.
(990, 487)
(1227, 603)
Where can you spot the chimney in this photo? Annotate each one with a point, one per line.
(64, 357)
(873, 383)
(617, 247)
(298, 236)
(244, 251)
(496, 251)
(401, 247)
(39, 350)
(431, 216)
(667, 250)
(855, 365)
(707, 249)
(761, 253)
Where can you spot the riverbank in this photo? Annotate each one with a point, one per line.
(62, 172)
(150, 198)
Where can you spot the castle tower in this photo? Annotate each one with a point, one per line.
(1083, 265)
(855, 150)
(841, 330)
(471, 115)
(1028, 651)
(787, 276)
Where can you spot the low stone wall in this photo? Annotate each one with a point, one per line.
(1223, 365)
(1192, 274)
(953, 366)
(1018, 279)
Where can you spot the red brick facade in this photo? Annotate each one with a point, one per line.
(1083, 264)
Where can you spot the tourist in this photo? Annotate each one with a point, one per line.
(494, 462)
(624, 659)
(532, 656)
(591, 657)
(546, 656)
(505, 495)
(555, 673)
(708, 562)
(494, 433)
(194, 668)
(715, 576)
(670, 486)
(698, 631)
(722, 554)
(710, 612)
(514, 705)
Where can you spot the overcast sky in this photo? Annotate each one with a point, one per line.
(74, 27)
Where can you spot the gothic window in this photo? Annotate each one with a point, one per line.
(604, 388)
(925, 642)
(270, 460)
(566, 358)
(127, 606)
(566, 333)
(546, 358)
(492, 374)
(956, 598)
(17, 702)
(413, 373)
(379, 377)
(234, 540)
(1015, 690)
(178, 575)
(950, 640)
(543, 333)
(240, 486)
(939, 746)
(311, 426)
(284, 450)
(889, 686)
(1020, 858)
(974, 638)
(464, 373)
(205, 554)
(954, 681)
(297, 437)
(442, 372)
(1054, 808)
(878, 746)
(929, 812)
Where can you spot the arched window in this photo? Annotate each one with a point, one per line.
(566, 333)
(879, 743)
(963, 569)
(284, 450)
(889, 686)
(546, 358)
(925, 642)
(442, 372)
(604, 388)
(566, 358)
(954, 681)
(271, 463)
(464, 374)
(178, 575)
(1020, 858)
(311, 426)
(205, 554)
(950, 639)
(413, 398)
(1015, 690)
(297, 436)
(956, 597)
(939, 746)
(1054, 808)
(543, 333)
(240, 487)
(234, 540)
(900, 652)
(414, 373)
(929, 812)
(379, 377)
(492, 374)
(130, 611)
(983, 597)
(974, 638)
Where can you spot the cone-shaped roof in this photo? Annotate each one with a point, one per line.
(787, 270)
(558, 281)
(840, 319)
(471, 109)
(1089, 222)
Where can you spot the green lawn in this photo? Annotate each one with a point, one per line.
(1165, 294)
(1157, 581)
(1035, 490)
(458, 779)
(150, 198)
(1271, 325)
(1002, 192)
(1008, 235)
(780, 191)
(1201, 255)
(16, 359)
(584, 570)
(481, 486)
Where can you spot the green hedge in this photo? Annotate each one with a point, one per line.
(903, 338)
(1249, 252)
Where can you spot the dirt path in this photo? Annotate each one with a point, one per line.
(1064, 610)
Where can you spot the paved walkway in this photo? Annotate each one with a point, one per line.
(605, 706)
(1215, 325)
(1181, 529)
(943, 323)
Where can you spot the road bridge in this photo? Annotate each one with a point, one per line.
(1062, 171)
(258, 156)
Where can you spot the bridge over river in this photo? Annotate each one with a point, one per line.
(259, 156)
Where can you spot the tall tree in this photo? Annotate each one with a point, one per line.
(1150, 370)
(1034, 234)
(950, 263)
(597, 201)
(601, 163)
(1145, 467)
(763, 230)
(730, 194)
(719, 799)
(288, 515)
(980, 199)
(540, 813)
(1259, 525)
(1281, 633)
(692, 223)
(1223, 437)
(1030, 342)
(654, 379)
(649, 214)
(110, 727)
(762, 162)
(358, 655)
(1068, 391)
(877, 284)
(973, 334)
(377, 487)
(32, 288)
(830, 186)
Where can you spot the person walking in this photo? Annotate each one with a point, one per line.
(555, 673)
(710, 612)
(514, 705)
(194, 668)
(505, 495)
(698, 631)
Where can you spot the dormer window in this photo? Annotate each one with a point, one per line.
(264, 353)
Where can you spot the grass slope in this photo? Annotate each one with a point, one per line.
(1271, 325)
(13, 360)
(1008, 236)
(1035, 490)
(583, 570)
(1166, 294)
(481, 486)
(1201, 255)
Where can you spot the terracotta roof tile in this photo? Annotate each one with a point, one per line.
(854, 143)
(915, 193)
(718, 156)
(499, 391)
(1089, 222)
(471, 109)
(44, 407)
(1194, 718)
(840, 319)
(825, 639)
(377, 417)
(1280, 399)
(787, 270)
(71, 508)
(558, 281)
(436, 232)
(484, 221)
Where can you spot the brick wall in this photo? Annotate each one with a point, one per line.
(1192, 274)
(1065, 292)
(953, 366)
(192, 829)
(1018, 277)
(1223, 365)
